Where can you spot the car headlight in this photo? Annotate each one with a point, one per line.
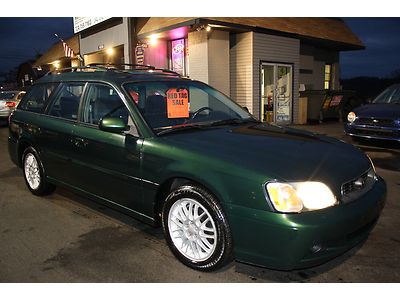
(292, 197)
(351, 117)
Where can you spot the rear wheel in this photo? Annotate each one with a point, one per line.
(34, 173)
(196, 228)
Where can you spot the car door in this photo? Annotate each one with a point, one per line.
(56, 131)
(107, 164)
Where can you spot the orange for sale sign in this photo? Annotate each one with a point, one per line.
(177, 103)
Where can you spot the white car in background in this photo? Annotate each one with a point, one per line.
(9, 100)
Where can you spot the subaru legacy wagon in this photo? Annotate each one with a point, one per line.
(175, 152)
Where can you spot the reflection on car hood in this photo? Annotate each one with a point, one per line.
(380, 111)
(278, 152)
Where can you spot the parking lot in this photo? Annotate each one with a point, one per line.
(66, 238)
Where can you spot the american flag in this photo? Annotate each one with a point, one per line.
(67, 50)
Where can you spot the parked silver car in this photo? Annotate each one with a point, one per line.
(9, 100)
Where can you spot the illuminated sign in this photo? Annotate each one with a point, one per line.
(178, 56)
(82, 23)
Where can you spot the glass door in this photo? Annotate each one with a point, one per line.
(276, 93)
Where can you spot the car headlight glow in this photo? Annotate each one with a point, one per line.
(290, 197)
(351, 117)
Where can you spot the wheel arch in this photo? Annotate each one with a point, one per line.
(172, 183)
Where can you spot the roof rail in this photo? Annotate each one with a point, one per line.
(73, 69)
(114, 67)
(118, 67)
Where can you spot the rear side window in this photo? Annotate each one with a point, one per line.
(66, 102)
(35, 100)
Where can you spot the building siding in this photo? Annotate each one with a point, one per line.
(313, 58)
(218, 61)
(111, 37)
(275, 49)
(241, 75)
(198, 55)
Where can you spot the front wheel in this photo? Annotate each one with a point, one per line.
(196, 229)
(34, 173)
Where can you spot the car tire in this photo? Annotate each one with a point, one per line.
(196, 228)
(34, 173)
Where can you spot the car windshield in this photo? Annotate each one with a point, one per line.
(390, 96)
(177, 104)
(7, 95)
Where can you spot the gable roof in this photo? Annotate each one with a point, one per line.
(332, 30)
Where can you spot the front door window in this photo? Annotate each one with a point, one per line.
(276, 93)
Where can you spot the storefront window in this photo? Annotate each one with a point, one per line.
(178, 56)
(328, 76)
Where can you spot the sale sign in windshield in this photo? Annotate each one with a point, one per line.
(177, 103)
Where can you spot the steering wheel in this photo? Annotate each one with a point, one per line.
(200, 110)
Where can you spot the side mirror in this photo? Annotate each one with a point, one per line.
(246, 109)
(115, 125)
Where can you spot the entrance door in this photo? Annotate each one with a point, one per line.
(276, 93)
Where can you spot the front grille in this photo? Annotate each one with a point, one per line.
(375, 122)
(355, 188)
(377, 133)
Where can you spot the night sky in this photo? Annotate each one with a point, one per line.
(22, 38)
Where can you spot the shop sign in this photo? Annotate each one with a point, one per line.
(82, 23)
(139, 54)
(178, 55)
(283, 109)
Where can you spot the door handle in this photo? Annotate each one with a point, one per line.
(79, 142)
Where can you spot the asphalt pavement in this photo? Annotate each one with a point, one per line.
(67, 238)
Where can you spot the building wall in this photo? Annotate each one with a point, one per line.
(110, 37)
(209, 58)
(312, 65)
(157, 55)
(241, 69)
(275, 49)
(218, 61)
(198, 55)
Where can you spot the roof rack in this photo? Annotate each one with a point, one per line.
(114, 67)
(138, 67)
(73, 69)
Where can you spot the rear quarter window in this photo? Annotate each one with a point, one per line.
(36, 99)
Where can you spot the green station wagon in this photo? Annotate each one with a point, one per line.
(175, 152)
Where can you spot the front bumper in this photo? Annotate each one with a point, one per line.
(372, 132)
(286, 241)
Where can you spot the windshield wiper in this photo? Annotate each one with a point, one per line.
(233, 121)
(179, 128)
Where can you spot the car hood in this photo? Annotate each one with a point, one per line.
(381, 111)
(275, 152)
